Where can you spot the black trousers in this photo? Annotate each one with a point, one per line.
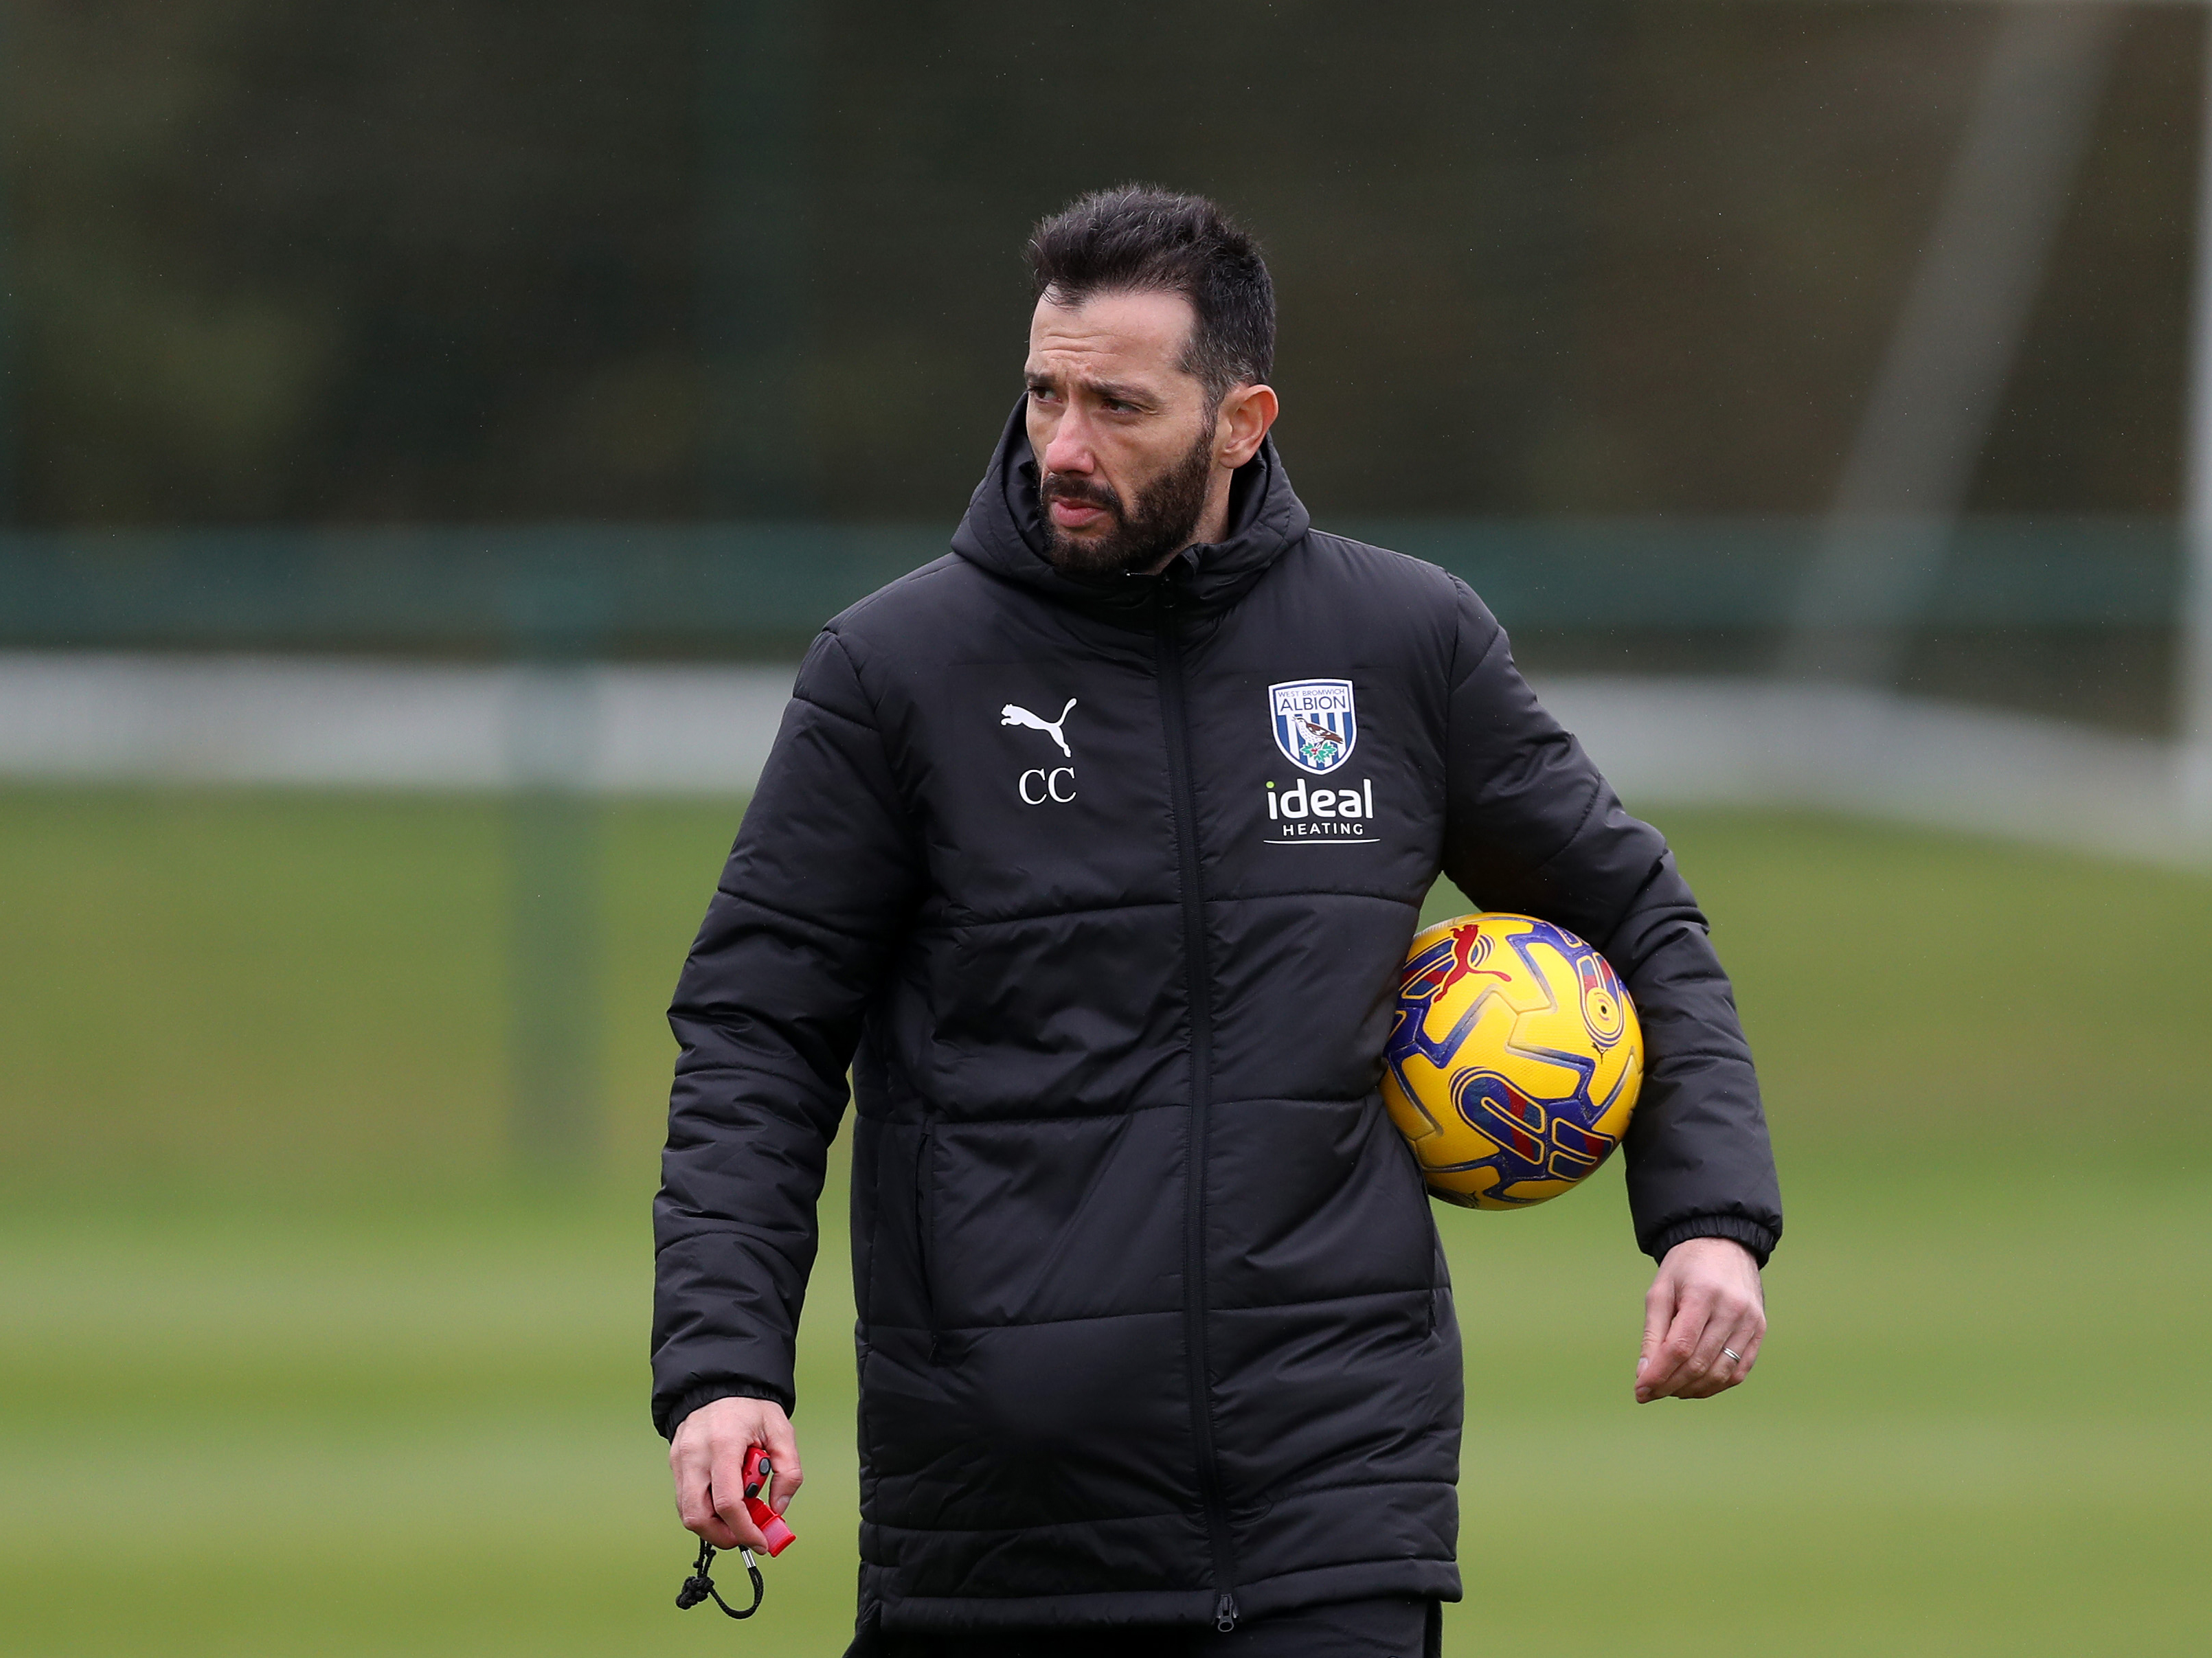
(1348, 1629)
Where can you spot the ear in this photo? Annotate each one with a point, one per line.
(1246, 414)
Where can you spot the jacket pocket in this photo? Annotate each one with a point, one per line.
(1439, 1284)
(925, 1230)
(865, 1216)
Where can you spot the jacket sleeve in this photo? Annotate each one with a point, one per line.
(1532, 827)
(767, 1015)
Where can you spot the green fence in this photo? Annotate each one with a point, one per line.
(756, 588)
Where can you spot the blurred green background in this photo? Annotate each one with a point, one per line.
(292, 1363)
(433, 335)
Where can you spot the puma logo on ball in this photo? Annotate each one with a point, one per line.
(1013, 714)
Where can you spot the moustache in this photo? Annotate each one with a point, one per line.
(1058, 486)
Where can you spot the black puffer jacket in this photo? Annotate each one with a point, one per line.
(1150, 1301)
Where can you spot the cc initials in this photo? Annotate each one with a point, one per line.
(1047, 785)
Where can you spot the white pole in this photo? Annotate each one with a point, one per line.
(2195, 664)
(1951, 351)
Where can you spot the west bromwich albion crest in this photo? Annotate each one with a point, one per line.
(1314, 724)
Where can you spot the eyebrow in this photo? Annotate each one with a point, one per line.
(1116, 390)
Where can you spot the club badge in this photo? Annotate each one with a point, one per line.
(1314, 724)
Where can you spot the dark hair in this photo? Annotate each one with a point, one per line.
(1140, 239)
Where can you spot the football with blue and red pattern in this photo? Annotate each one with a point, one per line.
(1514, 1059)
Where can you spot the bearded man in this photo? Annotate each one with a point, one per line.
(1156, 1341)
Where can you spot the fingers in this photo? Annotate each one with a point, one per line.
(1741, 1305)
(1708, 1369)
(1675, 1366)
(1747, 1334)
(1658, 1316)
(689, 1462)
(1731, 1362)
(782, 1446)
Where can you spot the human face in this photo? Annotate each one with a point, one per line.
(1125, 444)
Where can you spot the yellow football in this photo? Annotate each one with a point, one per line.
(1514, 1059)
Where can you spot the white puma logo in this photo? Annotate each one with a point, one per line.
(1013, 714)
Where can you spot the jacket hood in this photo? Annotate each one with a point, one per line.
(1003, 532)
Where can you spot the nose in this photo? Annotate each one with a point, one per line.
(1069, 451)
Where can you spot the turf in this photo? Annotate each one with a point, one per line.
(288, 1366)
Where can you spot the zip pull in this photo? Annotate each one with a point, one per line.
(1224, 1613)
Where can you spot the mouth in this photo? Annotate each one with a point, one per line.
(1076, 514)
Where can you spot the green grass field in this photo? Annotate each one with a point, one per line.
(288, 1364)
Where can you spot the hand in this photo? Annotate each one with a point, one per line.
(1705, 1298)
(707, 1456)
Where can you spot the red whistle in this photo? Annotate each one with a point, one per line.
(777, 1535)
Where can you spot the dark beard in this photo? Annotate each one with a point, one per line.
(1165, 518)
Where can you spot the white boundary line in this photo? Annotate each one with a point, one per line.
(648, 730)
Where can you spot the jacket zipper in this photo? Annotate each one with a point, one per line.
(1199, 983)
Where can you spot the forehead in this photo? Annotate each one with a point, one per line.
(1111, 336)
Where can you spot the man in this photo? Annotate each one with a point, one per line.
(1155, 1337)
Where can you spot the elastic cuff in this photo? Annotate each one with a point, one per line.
(708, 1391)
(1760, 1240)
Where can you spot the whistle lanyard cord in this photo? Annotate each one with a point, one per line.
(700, 1587)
